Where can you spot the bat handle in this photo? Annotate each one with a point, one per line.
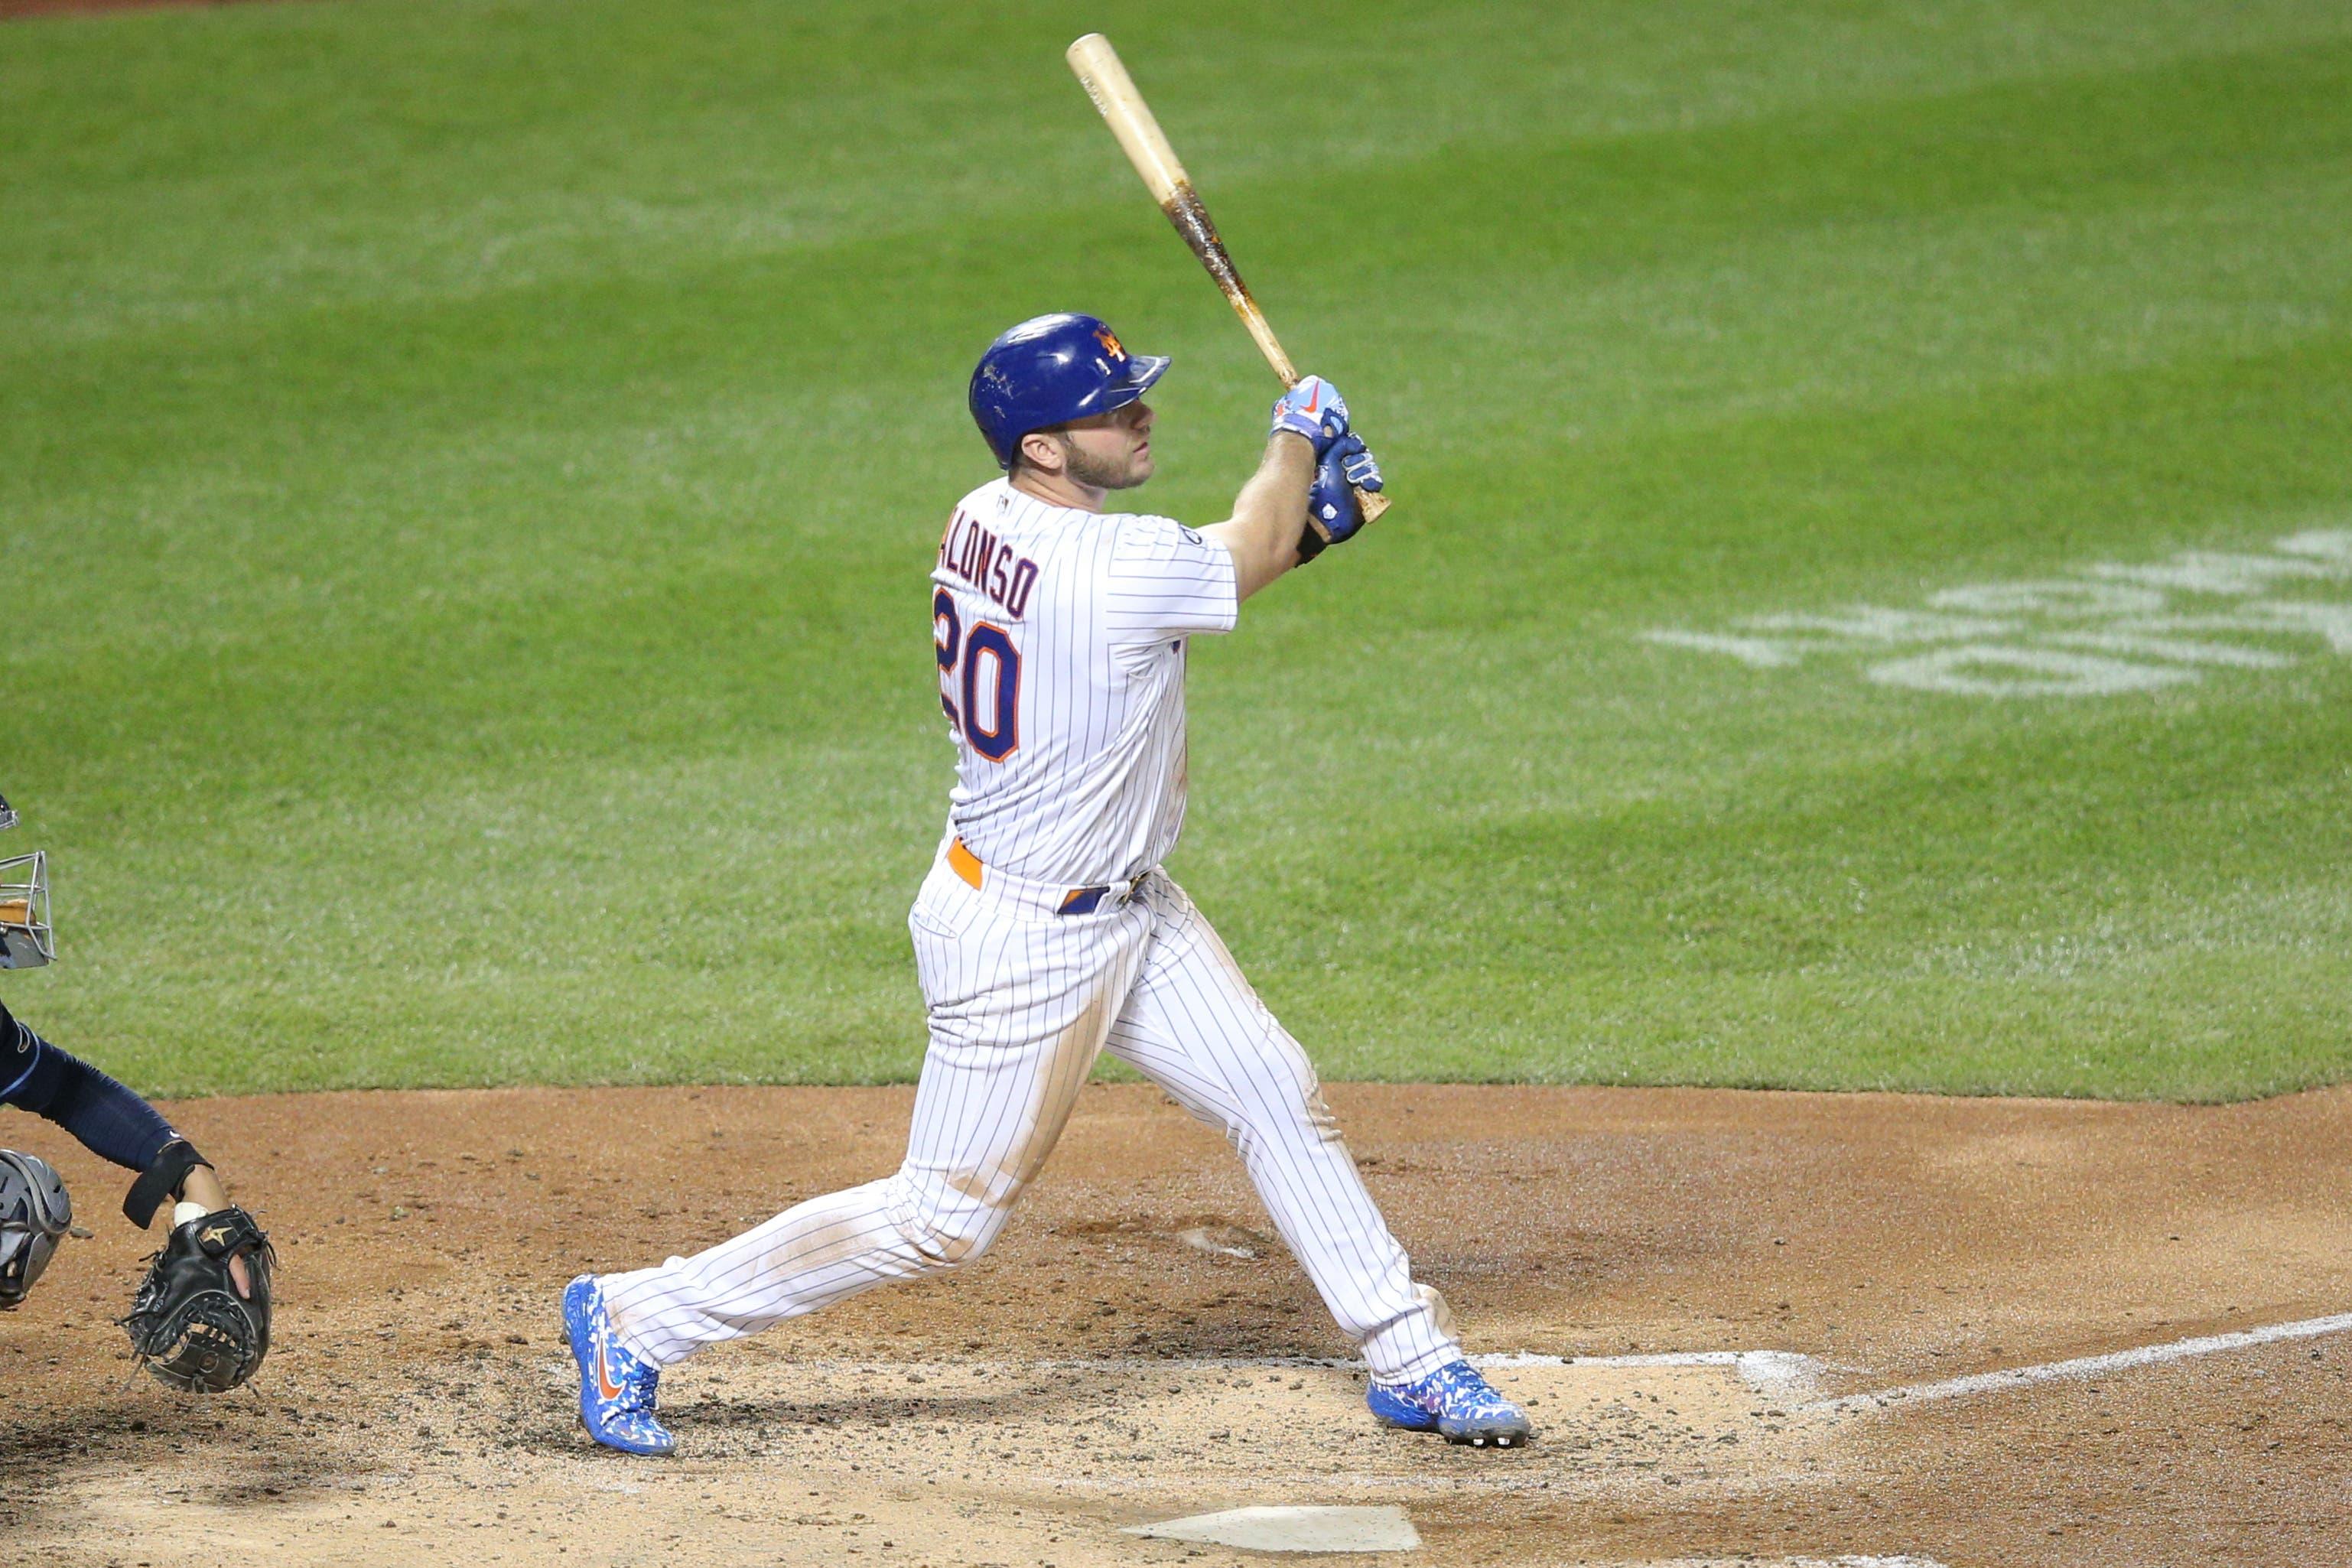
(1371, 503)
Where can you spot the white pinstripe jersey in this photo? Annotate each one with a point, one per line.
(1059, 635)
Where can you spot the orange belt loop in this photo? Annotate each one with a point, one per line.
(965, 863)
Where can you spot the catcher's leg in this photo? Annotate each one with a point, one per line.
(1194, 1025)
(1018, 1008)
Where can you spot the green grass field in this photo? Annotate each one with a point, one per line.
(468, 473)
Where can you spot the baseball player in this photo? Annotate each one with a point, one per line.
(186, 1324)
(1045, 931)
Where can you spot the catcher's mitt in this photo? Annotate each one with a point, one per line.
(188, 1325)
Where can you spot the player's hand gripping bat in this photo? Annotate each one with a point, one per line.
(1106, 82)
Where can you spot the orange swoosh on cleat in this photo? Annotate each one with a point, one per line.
(604, 1383)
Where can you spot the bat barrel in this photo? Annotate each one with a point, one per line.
(1104, 76)
(1099, 69)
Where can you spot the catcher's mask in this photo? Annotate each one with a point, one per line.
(34, 1213)
(25, 940)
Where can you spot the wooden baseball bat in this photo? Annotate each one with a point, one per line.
(1097, 68)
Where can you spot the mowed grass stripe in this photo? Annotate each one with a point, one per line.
(177, 166)
(474, 641)
(1456, 935)
(1584, 210)
(498, 361)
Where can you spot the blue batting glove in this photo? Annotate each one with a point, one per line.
(1332, 515)
(1314, 409)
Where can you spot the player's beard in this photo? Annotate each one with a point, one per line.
(1102, 475)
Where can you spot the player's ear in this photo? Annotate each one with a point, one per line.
(1040, 450)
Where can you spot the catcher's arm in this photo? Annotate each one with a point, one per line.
(181, 1174)
(203, 1191)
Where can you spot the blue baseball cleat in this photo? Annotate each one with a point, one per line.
(617, 1388)
(1455, 1403)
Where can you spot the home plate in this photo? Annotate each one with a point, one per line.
(1308, 1527)
(1848, 1561)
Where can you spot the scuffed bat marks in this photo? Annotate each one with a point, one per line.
(1186, 211)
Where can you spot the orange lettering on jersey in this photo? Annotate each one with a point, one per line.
(988, 563)
(978, 543)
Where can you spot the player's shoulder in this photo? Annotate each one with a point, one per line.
(1004, 512)
(1010, 513)
(992, 501)
(1145, 536)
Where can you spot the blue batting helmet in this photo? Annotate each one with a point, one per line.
(1049, 371)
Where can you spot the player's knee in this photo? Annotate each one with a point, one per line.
(1279, 1104)
(35, 1213)
(952, 1239)
(946, 1228)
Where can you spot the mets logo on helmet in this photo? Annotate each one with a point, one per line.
(1110, 341)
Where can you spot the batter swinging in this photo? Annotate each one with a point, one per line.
(1045, 931)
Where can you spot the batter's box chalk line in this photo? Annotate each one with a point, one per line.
(1767, 1372)
(1784, 1373)
(1773, 1372)
(2081, 1367)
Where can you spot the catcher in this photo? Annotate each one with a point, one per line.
(199, 1319)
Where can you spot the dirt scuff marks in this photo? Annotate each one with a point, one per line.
(1138, 1345)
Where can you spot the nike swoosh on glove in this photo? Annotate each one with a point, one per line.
(1314, 409)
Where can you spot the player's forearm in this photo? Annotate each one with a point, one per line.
(200, 1186)
(1270, 515)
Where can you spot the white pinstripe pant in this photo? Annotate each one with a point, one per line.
(1021, 1001)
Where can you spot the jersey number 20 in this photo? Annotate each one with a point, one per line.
(961, 658)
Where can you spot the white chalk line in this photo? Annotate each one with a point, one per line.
(1760, 1368)
(1767, 1372)
(1764, 1370)
(2082, 1366)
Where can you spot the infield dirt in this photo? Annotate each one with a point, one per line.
(1120, 1356)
